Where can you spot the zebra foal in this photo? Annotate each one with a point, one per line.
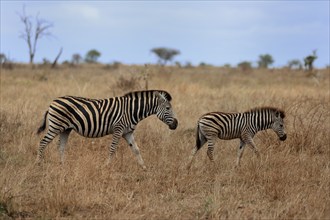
(94, 118)
(244, 126)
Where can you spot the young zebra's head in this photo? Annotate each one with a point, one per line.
(278, 124)
(164, 110)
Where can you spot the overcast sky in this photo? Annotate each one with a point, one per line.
(214, 32)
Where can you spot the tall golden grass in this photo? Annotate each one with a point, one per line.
(289, 181)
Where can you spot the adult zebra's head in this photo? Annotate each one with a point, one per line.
(278, 124)
(164, 110)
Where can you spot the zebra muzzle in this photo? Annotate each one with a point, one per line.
(283, 138)
(174, 125)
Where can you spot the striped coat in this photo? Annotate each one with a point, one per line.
(244, 126)
(99, 117)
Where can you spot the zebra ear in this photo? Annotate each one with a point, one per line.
(277, 114)
(280, 114)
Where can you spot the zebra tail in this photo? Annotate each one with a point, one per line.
(43, 126)
(198, 140)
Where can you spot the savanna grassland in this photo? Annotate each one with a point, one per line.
(290, 180)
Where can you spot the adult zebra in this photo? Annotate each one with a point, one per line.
(99, 117)
(244, 126)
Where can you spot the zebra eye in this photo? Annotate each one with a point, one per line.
(167, 107)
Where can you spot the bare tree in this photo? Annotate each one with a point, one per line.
(33, 32)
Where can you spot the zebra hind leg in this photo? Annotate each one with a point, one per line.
(49, 136)
(210, 149)
(115, 140)
(210, 145)
(62, 142)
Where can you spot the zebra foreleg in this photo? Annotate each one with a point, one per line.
(252, 145)
(131, 142)
(240, 152)
(192, 156)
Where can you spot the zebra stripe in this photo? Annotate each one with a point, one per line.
(244, 126)
(99, 117)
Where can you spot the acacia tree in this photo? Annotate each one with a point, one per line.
(33, 32)
(165, 54)
(265, 60)
(92, 56)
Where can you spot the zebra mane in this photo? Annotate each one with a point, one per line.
(266, 108)
(166, 95)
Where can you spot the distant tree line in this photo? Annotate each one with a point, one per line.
(37, 28)
(91, 56)
(265, 60)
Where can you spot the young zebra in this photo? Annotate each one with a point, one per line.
(99, 117)
(244, 126)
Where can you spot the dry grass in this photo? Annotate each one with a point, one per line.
(290, 180)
